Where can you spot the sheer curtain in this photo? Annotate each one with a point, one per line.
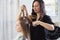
(8, 12)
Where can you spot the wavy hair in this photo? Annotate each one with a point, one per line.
(42, 8)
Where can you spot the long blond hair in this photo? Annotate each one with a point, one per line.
(25, 27)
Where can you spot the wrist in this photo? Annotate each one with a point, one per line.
(39, 22)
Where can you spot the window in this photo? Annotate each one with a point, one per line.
(51, 7)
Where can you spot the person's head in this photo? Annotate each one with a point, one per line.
(22, 27)
(38, 7)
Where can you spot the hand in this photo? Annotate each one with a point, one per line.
(23, 8)
(35, 23)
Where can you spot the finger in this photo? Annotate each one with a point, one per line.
(22, 8)
(33, 23)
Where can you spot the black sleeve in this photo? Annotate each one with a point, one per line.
(47, 19)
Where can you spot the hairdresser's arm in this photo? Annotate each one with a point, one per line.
(45, 25)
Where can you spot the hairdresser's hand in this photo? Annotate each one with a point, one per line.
(23, 8)
(35, 23)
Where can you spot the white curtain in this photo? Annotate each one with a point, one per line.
(8, 12)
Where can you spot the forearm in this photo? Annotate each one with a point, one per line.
(46, 25)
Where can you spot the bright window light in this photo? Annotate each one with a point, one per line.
(50, 6)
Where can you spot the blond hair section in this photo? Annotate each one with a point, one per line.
(25, 30)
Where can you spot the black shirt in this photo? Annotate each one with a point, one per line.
(37, 32)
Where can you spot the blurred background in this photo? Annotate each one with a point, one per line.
(9, 9)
